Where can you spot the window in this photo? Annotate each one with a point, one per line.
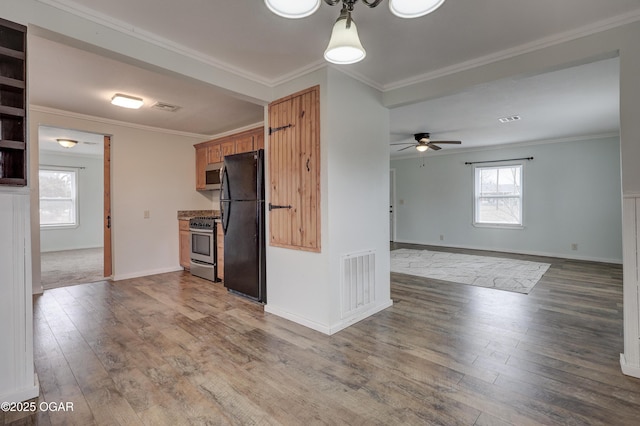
(58, 197)
(498, 196)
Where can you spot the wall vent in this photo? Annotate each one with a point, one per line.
(165, 107)
(509, 119)
(358, 279)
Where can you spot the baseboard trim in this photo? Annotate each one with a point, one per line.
(526, 252)
(628, 369)
(146, 273)
(23, 394)
(322, 328)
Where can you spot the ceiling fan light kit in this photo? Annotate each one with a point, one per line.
(345, 46)
(423, 142)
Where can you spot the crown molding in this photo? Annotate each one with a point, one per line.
(126, 28)
(123, 27)
(513, 145)
(533, 46)
(102, 120)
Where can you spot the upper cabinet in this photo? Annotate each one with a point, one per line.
(294, 171)
(13, 73)
(214, 151)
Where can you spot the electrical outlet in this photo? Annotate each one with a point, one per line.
(401, 201)
(441, 237)
(574, 246)
(146, 214)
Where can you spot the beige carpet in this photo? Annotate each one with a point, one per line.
(499, 273)
(70, 267)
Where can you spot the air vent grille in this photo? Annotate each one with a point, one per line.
(509, 119)
(163, 106)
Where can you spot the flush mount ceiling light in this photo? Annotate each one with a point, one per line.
(67, 143)
(344, 45)
(126, 101)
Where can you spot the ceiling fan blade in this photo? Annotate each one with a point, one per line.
(404, 143)
(432, 146)
(455, 142)
(406, 148)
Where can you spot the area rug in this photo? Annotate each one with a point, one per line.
(503, 274)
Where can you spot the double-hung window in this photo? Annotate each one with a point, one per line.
(58, 197)
(498, 196)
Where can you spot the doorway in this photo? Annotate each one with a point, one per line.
(74, 174)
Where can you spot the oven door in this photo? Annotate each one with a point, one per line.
(202, 246)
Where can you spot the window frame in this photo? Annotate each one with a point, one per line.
(476, 196)
(76, 202)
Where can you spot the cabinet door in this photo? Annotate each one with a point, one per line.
(185, 244)
(294, 170)
(201, 165)
(227, 148)
(214, 154)
(243, 143)
(258, 140)
(220, 251)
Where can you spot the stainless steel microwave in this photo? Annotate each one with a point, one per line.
(213, 176)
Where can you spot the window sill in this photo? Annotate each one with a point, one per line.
(58, 227)
(498, 226)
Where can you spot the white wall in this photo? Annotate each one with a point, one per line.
(303, 286)
(152, 170)
(571, 195)
(89, 232)
(358, 180)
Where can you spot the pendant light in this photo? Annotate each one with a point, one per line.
(293, 9)
(413, 8)
(344, 46)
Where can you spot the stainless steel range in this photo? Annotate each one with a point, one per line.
(203, 247)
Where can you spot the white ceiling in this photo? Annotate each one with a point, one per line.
(243, 36)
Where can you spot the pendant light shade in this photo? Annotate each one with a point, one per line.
(413, 8)
(293, 9)
(344, 46)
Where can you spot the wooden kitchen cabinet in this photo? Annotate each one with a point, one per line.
(13, 111)
(220, 250)
(185, 244)
(294, 171)
(214, 151)
(201, 165)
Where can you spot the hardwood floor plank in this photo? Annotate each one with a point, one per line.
(173, 349)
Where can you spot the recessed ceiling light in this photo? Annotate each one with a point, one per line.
(509, 119)
(126, 101)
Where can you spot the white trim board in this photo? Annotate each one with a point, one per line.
(526, 252)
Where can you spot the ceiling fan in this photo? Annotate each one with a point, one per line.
(424, 143)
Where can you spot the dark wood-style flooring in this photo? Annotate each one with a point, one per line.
(173, 349)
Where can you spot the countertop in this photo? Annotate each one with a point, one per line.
(188, 214)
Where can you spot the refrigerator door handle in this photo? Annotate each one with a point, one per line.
(224, 185)
(225, 207)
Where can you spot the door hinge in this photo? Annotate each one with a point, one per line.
(277, 129)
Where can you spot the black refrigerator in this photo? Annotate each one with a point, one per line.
(242, 218)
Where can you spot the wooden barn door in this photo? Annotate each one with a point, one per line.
(294, 170)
